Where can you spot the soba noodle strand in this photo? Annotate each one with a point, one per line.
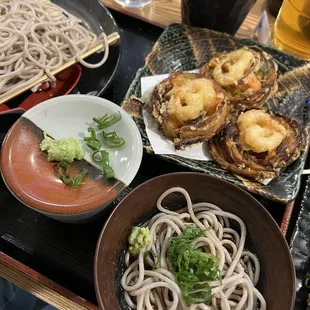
(37, 37)
(148, 283)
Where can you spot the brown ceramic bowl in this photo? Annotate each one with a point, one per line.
(35, 182)
(277, 278)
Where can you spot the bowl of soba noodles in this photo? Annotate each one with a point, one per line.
(195, 242)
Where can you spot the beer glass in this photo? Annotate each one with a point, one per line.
(292, 28)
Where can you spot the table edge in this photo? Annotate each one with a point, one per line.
(40, 286)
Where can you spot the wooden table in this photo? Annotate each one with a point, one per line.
(160, 13)
(164, 12)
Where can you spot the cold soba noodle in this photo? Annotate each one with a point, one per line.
(165, 274)
(37, 37)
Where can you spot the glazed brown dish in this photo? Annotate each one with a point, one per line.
(248, 75)
(26, 169)
(277, 277)
(258, 144)
(189, 108)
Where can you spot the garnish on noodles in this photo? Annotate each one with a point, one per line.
(138, 239)
(192, 267)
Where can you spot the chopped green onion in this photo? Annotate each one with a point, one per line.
(103, 158)
(112, 140)
(108, 135)
(65, 177)
(107, 169)
(92, 133)
(107, 120)
(63, 165)
(94, 145)
(79, 178)
(115, 142)
(93, 142)
(93, 136)
(96, 158)
(192, 267)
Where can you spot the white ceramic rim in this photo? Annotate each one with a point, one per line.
(128, 177)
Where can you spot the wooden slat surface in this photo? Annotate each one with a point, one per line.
(111, 39)
(40, 286)
(165, 12)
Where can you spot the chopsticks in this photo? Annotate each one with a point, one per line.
(111, 39)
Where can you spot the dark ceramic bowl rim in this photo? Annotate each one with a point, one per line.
(107, 84)
(233, 186)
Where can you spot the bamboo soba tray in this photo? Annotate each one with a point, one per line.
(111, 39)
